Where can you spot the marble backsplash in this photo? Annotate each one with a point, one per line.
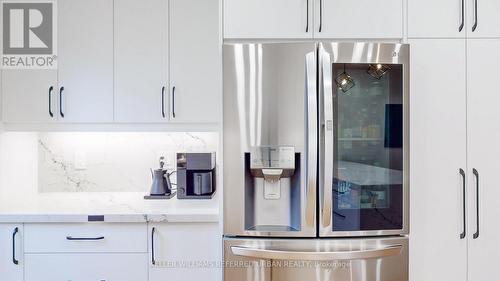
(110, 161)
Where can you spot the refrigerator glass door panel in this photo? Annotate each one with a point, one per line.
(363, 142)
(316, 260)
(270, 144)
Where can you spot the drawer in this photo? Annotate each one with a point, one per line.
(86, 267)
(85, 238)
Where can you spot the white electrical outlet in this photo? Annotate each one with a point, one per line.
(80, 160)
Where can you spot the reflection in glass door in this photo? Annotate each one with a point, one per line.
(368, 147)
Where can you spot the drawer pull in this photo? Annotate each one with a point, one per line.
(84, 238)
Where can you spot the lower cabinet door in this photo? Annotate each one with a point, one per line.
(11, 252)
(86, 267)
(185, 252)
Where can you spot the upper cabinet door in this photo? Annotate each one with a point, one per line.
(483, 132)
(483, 20)
(358, 19)
(437, 19)
(195, 62)
(29, 96)
(141, 60)
(85, 29)
(268, 18)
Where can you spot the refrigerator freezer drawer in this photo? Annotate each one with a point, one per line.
(316, 259)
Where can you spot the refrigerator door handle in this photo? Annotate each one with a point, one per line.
(312, 139)
(257, 253)
(327, 130)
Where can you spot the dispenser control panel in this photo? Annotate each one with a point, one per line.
(275, 157)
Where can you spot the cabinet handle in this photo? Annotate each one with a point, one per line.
(14, 260)
(462, 235)
(173, 102)
(461, 27)
(320, 15)
(476, 173)
(84, 238)
(51, 114)
(475, 16)
(163, 102)
(61, 102)
(307, 16)
(153, 261)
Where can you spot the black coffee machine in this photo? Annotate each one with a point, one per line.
(196, 175)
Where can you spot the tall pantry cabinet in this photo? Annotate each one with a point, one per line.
(454, 128)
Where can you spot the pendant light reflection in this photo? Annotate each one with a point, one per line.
(344, 81)
(378, 70)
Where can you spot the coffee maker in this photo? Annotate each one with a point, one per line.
(196, 175)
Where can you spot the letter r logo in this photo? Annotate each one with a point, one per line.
(28, 28)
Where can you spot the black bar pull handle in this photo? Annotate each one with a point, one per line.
(71, 238)
(173, 101)
(307, 16)
(153, 261)
(462, 235)
(61, 112)
(320, 15)
(475, 16)
(163, 101)
(461, 27)
(51, 89)
(14, 260)
(476, 174)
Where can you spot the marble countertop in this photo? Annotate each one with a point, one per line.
(114, 207)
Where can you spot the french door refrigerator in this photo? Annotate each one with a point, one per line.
(316, 161)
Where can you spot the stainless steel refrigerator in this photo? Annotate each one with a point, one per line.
(316, 161)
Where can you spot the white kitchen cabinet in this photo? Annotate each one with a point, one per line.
(83, 267)
(141, 60)
(437, 152)
(185, 251)
(30, 96)
(85, 35)
(268, 19)
(486, 19)
(11, 252)
(483, 152)
(437, 19)
(82, 86)
(195, 62)
(358, 19)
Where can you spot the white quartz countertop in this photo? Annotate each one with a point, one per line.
(114, 207)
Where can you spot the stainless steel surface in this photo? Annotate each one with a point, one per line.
(311, 140)
(268, 90)
(371, 53)
(326, 137)
(316, 259)
(316, 256)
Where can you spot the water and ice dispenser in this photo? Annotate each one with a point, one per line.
(272, 189)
